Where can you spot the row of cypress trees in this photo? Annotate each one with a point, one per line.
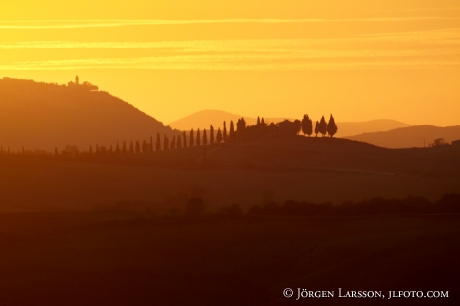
(321, 127)
(204, 137)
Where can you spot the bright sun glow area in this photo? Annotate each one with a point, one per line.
(358, 60)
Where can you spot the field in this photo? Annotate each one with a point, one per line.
(116, 258)
(316, 169)
(109, 229)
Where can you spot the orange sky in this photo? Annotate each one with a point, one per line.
(359, 60)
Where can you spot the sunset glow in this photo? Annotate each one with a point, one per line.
(270, 58)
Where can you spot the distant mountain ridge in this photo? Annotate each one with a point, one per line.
(44, 116)
(203, 119)
(408, 137)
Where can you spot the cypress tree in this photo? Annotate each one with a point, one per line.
(131, 147)
(258, 120)
(184, 139)
(219, 136)
(198, 139)
(307, 125)
(262, 121)
(145, 146)
(205, 138)
(191, 142)
(323, 126)
(173, 143)
(211, 135)
(317, 128)
(225, 133)
(231, 136)
(331, 127)
(158, 143)
(179, 142)
(165, 143)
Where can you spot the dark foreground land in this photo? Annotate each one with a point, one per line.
(312, 169)
(121, 258)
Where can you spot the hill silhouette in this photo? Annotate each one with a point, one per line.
(203, 119)
(408, 137)
(44, 116)
(316, 169)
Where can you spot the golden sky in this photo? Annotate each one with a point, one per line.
(358, 59)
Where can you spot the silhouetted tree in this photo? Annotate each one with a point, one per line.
(184, 139)
(307, 125)
(240, 125)
(219, 136)
(205, 138)
(225, 133)
(198, 138)
(151, 144)
(173, 142)
(439, 142)
(145, 147)
(211, 135)
(138, 147)
(297, 126)
(179, 142)
(124, 146)
(158, 143)
(323, 126)
(131, 147)
(262, 121)
(258, 120)
(191, 141)
(165, 144)
(317, 128)
(331, 127)
(231, 136)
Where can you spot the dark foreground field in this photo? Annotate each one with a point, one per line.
(300, 168)
(116, 258)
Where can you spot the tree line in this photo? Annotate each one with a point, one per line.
(235, 133)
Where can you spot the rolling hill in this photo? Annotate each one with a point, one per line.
(408, 137)
(203, 119)
(317, 169)
(44, 116)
